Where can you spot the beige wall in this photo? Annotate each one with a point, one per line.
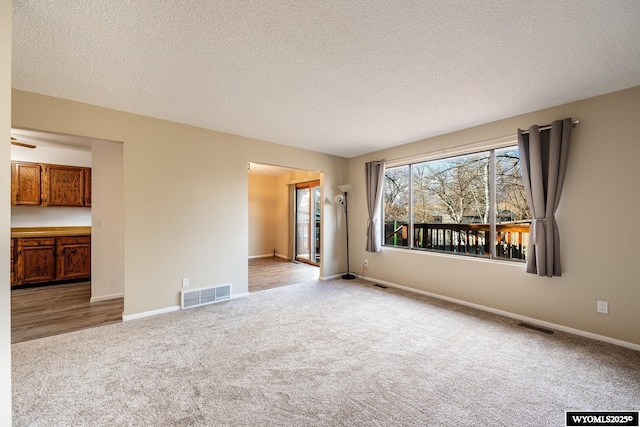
(56, 156)
(298, 176)
(5, 212)
(283, 233)
(36, 216)
(596, 217)
(107, 228)
(262, 214)
(182, 187)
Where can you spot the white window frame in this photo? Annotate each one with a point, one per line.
(467, 149)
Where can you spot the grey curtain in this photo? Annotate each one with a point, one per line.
(374, 179)
(543, 157)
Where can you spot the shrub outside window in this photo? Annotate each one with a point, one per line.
(472, 204)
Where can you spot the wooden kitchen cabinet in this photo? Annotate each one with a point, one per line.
(41, 184)
(73, 257)
(13, 262)
(62, 186)
(36, 260)
(49, 258)
(87, 186)
(25, 184)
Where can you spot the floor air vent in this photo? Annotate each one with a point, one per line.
(206, 296)
(380, 286)
(536, 328)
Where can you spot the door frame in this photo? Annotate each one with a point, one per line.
(313, 227)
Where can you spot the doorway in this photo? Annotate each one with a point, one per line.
(62, 301)
(274, 201)
(307, 226)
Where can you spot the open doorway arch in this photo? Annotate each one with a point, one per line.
(103, 217)
(274, 231)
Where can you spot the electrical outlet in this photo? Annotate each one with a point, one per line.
(603, 307)
(366, 262)
(185, 283)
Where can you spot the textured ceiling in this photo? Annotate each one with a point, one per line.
(335, 76)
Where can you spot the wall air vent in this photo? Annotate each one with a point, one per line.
(199, 297)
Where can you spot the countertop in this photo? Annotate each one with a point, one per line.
(49, 231)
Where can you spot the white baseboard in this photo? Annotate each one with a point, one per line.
(150, 313)
(106, 297)
(261, 256)
(169, 309)
(511, 315)
(242, 295)
(269, 256)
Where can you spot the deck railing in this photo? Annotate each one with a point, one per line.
(511, 238)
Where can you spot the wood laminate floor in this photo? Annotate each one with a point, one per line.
(56, 309)
(272, 272)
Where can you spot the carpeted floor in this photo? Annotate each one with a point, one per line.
(327, 353)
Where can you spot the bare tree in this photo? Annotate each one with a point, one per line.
(396, 194)
(511, 198)
(422, 201)
(456, 190)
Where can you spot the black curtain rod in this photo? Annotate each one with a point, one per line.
(573, 123)
(510, 139)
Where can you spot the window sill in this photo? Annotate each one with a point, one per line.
(516, 263)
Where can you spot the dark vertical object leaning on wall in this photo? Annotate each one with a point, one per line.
(374, 180)
(544, 153)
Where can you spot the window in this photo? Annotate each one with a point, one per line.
(472, 204)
